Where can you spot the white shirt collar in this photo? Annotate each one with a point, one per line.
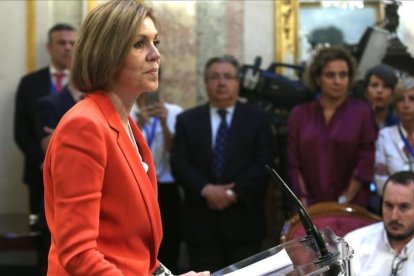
(230, 109)
(53, 70)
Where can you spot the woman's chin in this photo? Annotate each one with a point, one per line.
(151, 87)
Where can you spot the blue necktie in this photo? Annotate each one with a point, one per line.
(220, 145)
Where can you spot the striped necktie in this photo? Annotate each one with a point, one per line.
(220, 145)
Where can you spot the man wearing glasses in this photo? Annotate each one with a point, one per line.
(219, 154)
(387, 248)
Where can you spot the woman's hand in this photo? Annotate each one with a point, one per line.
(352, 191)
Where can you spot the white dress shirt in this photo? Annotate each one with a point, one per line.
(65, 79)
(160, 155)
(390, 152)
(373, 255)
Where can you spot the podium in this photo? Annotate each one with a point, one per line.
(296, 257)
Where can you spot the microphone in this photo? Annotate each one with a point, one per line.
(309, 227)
(256, 65)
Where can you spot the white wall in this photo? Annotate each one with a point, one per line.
(43, 23)
(258, 32)
(406, 28)
(13, 194)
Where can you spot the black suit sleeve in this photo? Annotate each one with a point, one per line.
(24, 130)
(30, 88)
(184, 170)
(45, 115)
(251, 181)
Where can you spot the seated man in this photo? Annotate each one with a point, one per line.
(387, 248)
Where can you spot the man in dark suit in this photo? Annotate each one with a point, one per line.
(50, 109)
(219, 160)
(61, 39)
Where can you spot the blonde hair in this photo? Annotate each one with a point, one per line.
(403, 85)
(106, 36)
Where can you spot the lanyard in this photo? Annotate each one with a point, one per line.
(150, 133)
(406, 144)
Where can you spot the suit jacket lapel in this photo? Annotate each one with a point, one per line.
(205, 134)
(147, 183)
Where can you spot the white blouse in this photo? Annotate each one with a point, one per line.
(390, 152)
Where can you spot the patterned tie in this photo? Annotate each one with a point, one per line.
(220, 144)
(59, 81)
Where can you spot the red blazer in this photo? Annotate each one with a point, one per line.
(101, 206)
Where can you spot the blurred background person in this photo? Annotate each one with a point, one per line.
(395, 143)
(331, 139)
(156, 119)
(387, 247)
(50, 109)
(219, 154)
(45, 81)
(379, 85)
(100, 180)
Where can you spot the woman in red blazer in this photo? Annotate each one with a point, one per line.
(100, 182)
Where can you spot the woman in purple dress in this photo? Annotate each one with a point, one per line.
(331, 139)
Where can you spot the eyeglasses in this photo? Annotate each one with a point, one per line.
(225, 77)
(397, 264)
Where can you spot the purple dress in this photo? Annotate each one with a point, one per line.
(329, 155)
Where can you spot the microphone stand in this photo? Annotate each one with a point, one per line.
(310, 228)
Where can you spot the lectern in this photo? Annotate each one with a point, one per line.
(296, 257)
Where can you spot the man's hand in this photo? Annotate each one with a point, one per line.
(219, 197)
